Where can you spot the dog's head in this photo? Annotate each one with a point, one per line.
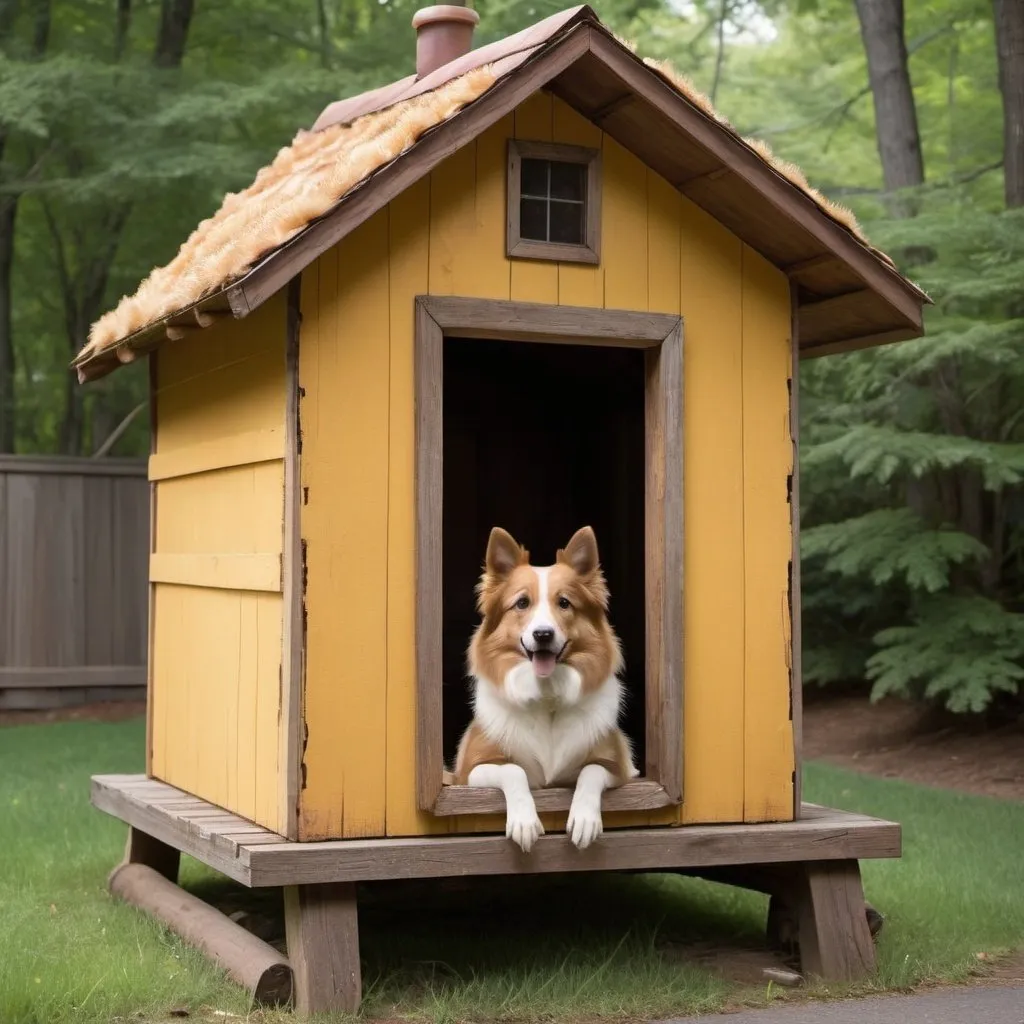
(546, 616)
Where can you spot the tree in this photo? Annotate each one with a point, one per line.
(899, 141)
(1009, 26)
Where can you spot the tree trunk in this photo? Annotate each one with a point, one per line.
(8, 210)
(1009, 22)
(122, 28)
(899, 141)
(175, 18)
(41, 28)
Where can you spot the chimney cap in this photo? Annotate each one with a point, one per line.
(444, 32)
(445, 12)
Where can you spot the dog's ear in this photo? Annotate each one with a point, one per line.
(581, 552)
(504, 553)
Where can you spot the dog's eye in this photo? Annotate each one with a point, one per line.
(523, 603)
(564, 602)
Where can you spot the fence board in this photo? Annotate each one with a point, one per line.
(74, 550)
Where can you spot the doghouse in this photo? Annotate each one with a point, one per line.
(537, 284)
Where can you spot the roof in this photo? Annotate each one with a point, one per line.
(365, 150)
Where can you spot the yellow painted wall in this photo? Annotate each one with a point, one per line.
(446, 236)
(215, 693)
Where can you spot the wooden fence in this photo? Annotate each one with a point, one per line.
(74, 550)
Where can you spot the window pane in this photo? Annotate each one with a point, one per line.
(535, 178)
(533, 219)
(567, 180)
(567, 223)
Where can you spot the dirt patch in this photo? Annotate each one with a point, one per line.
(897, 740)
(104, 711)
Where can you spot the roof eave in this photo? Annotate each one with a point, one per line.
(528, 72)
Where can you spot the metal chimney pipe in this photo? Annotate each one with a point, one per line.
(443, 32)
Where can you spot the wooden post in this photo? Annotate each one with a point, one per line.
(321, 924)
(832, 924)
(250, 961)
(141, 848)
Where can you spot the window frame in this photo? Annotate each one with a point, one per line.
(518, 247)
(661, 336)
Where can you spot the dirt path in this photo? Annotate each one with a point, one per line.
(896, 740)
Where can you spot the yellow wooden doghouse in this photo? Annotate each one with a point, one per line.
(344, 402)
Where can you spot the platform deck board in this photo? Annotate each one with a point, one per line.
(256, 856)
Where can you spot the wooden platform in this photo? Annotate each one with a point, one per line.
(256, 856)
(808, 867)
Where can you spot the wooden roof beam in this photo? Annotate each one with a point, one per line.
(777, 191)
(801, 267)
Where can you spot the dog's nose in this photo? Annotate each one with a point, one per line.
(544, 635)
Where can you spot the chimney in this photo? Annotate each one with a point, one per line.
(443, 33)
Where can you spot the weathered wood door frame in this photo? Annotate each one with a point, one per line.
(661, 337)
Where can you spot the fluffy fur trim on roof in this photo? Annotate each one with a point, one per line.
(304, 181)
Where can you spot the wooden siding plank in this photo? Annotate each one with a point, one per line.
(128, 611)
(225, 381)
(70, 465)
(624, 231)
(710, 283)
(534, 280)
(72, 675)
(98, 498)
(293, 587)
(767, 538)
(269, 610)
(663, 242)
(492, 273)
(261, 571)
(345, 526)
(242, 511)
(219, 453)
(452, 220)
(409, 246)
(247, 703)
(467, 220)
(579, 284)
(158, 715)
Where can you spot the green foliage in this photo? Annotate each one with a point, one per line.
(891, 544)
(962, 650)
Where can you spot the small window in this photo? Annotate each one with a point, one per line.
(554, 202)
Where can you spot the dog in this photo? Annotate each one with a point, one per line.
(545, 665)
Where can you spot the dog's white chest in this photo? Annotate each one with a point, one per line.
(548, 737)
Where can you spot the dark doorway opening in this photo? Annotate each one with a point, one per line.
(542, 439)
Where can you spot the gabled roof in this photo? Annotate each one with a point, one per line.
(365, 150)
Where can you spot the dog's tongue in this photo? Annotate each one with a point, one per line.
(543, 664)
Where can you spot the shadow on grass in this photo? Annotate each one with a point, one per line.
(511, 942)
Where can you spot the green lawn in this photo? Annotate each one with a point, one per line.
(513, 949)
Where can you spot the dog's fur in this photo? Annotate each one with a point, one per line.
(546, 695)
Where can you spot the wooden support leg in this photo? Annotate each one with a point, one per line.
(144, 849)
(322, 929)
(833, 934)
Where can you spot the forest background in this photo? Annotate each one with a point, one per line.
(124, 122)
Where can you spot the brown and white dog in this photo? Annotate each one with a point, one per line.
(546, 700)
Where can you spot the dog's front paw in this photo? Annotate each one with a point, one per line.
(584, 824)
(522, 825)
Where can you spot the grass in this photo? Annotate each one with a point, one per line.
(511, 949)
